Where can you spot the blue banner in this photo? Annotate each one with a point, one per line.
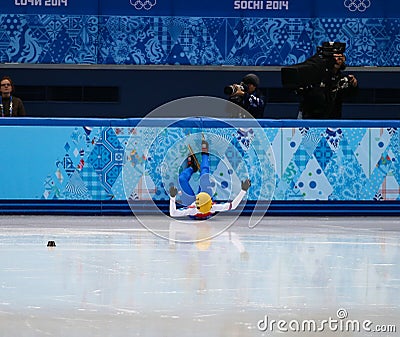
(208, 32)
(209, 8)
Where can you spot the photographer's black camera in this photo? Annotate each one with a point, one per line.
(314, 69)
(232, 89)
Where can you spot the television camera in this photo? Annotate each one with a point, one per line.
(314, 69)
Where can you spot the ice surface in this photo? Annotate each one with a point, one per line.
(110, 276)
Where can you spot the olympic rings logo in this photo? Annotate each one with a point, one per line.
(357, 5)
(139, 4)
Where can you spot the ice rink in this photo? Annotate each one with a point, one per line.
(111, 276)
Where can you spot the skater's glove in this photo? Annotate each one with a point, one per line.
(246, 184)
(173, 191)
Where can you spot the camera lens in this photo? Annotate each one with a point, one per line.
(229, 90)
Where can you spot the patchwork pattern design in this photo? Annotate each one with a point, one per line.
(90, 39)
(106, 163)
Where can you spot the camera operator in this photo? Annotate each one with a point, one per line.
(320, 82)
(247, 95)
(325, 101)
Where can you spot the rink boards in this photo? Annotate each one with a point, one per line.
(100, 166)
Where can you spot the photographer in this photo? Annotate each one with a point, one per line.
(247, 95)
(320, 83)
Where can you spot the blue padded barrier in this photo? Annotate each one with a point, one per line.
(76, 166)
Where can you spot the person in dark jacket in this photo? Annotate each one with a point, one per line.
(324, 100)
(10, 105)
(248, 95)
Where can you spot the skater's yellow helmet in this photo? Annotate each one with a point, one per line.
(203, 202)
